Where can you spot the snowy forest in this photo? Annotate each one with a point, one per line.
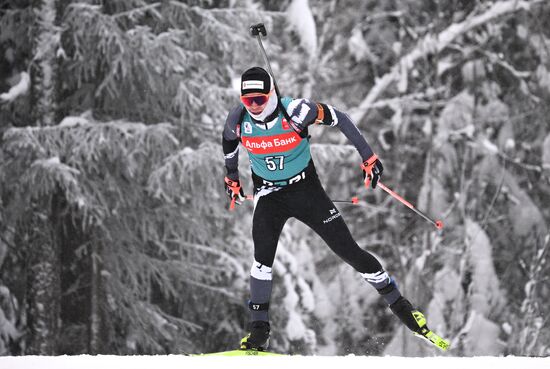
(115, 233)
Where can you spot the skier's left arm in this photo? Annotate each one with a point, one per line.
(305, 113)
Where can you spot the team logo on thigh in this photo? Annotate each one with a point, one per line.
(333, 215)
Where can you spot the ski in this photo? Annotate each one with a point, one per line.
(420, 329)
(434, 339)
(242, 353)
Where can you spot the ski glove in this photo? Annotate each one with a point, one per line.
(234, 190)
(372, 171)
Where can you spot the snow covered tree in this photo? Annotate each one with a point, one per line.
(111, 168)
(435, 108)
(134, 243)
(34, 233)
(459, 149)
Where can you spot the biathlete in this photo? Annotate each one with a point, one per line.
(286, 186)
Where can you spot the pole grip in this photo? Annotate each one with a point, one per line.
(258, 29)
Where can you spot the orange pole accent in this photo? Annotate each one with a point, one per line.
(405, 202)
(437, 223)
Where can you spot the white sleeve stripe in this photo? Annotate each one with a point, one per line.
(334, 117)
(231, 155)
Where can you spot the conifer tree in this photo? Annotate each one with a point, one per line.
(111, 198)
(34, 232)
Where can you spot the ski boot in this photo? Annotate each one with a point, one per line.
(416, 322)
(258, 338)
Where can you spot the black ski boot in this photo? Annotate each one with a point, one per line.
(258, 338)
(411, 317)
(416, 322)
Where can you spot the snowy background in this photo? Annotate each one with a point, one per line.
(114, 232)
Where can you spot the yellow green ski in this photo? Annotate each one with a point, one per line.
(242, 353)
(425, 333)
(435, 339)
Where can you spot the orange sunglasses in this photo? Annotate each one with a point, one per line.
(257, 98)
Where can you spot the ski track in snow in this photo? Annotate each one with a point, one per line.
(286, 362)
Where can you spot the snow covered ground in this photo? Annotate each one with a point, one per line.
(282, 362)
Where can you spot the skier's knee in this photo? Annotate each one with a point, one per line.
(261, 271)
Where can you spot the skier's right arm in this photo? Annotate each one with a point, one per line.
(230, 143)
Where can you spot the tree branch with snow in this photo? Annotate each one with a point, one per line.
(21, 88)
(432, 44)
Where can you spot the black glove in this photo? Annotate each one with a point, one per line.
(372, 171)
(234, 190)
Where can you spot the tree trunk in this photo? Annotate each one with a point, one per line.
(43, 274)
(98, 337)
(43, 288)
(44, 71)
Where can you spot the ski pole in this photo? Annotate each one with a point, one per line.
(234, 200)
(437, 223)
(354, 200)
(258, 30)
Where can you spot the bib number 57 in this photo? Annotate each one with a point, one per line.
(275, 162)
